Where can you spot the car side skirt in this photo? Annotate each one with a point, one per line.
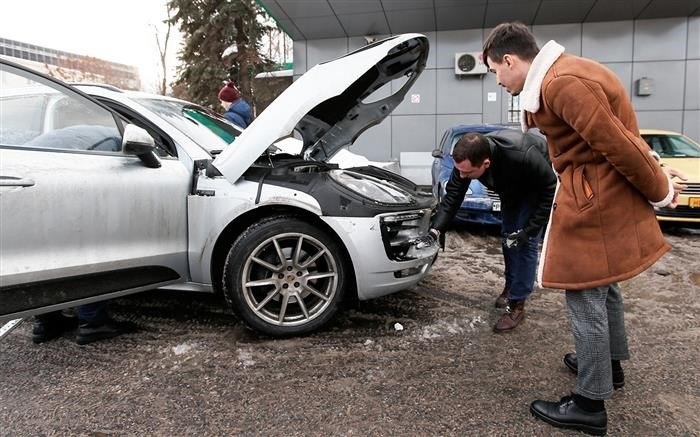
(32, 298)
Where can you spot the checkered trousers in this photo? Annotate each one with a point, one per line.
(598, 325)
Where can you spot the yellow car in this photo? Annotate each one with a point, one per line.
(682, 153)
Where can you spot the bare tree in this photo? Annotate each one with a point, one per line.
(163, 49)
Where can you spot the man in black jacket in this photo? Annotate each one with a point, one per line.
(517, 167)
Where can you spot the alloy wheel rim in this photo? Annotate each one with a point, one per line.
(289, 279)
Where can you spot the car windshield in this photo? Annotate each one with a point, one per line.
(455, 139)
(673, 146)
(206, 128)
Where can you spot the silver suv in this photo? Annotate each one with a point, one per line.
(98, 202)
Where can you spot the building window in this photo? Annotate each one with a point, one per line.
(513, 109)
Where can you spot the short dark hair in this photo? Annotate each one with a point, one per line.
(472, 146)
(514, 38)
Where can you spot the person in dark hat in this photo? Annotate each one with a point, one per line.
(237, 110)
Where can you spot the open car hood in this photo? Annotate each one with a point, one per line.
(326, 105)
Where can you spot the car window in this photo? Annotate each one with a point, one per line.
(443, 141)
(672, 146)
(454, 141)
(38, 113)
(681, 146)
(657, 143)
(209, 131)
(164, 145)
(21, 118)
(218, 127)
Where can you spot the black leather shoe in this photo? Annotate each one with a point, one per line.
(51, 325)
(566, 414)
(89, 332)
(618, 376)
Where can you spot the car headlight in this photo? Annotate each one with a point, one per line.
(370, 187)
(399, 231)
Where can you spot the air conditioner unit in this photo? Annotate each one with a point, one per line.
(467, 63)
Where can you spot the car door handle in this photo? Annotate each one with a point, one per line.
(11, 181)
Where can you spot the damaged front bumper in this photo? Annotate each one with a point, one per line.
(388, 251)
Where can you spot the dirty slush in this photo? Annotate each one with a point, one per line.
(193, 369)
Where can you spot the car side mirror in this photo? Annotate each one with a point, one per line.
(137, 141)
(437, 153)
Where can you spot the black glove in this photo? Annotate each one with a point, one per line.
(438, 236)
(427, 240)
(423, 242)
(515, 239)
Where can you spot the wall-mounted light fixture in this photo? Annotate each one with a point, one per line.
(644, 86)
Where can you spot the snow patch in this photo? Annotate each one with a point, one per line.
(450, 327)
(184, 348)
(245, 358)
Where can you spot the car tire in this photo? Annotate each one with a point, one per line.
(285, 277)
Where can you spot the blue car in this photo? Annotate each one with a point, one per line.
(480, 205)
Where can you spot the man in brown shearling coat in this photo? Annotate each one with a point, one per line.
(602, 227)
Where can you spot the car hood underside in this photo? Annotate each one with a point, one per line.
(328, 105)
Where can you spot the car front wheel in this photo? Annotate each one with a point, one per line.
(284, 276)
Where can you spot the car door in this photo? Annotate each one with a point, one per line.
(80, 221)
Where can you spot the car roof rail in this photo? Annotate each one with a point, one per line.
(100, 85)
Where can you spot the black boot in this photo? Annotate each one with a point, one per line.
(568, 414)
(51, 325)
(102, 329)
(618, 376)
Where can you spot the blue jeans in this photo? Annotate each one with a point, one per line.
(521, 261)
(92, 312)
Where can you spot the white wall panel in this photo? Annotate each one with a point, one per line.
(660, 40)
(412, 133)
(666, 50)
(608, 42)
(458, 94)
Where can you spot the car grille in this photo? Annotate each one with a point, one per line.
(692, 189)
(492, 194)
(679, 212)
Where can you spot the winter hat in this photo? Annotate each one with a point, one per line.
(229, 93)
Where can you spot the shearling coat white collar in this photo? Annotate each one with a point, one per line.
(530, 95)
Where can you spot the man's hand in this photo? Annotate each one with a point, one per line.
(438, 236)
(426, 240)
(677, 188)
(515, 239)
